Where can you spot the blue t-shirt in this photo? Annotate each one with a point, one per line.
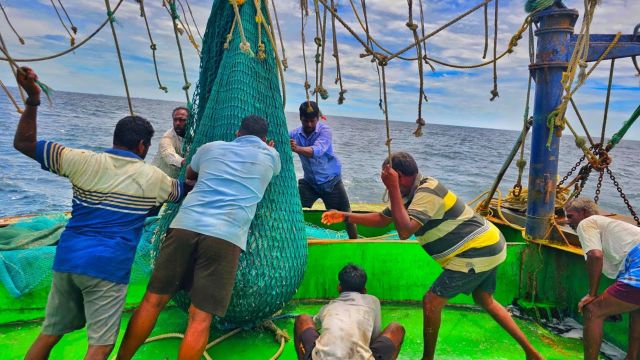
(112, 193)
(323, 166)
(232, 178)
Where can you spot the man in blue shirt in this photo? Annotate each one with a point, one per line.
(201, 250)
(322, 169)
(112, 193)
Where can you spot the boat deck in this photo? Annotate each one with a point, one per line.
(465, 334)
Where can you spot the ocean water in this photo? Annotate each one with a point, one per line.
(463, 158)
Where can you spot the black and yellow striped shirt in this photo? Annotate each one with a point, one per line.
(452, 233)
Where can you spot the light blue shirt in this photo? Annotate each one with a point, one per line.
(232, 178)
(323, 166)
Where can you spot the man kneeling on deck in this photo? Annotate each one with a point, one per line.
(468, 247)
(349, 325)
(611, 247)
(112, 193)
(201, 250)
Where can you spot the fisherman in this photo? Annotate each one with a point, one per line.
(201, 250)
(349, 325)
(112, 193)
(322, 170)
(169, 157)
(611, 247)
(467, 246)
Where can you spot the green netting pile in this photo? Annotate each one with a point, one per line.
(231, 86)
(27, 250)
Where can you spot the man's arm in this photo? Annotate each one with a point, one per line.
(405, 225)
(319, 147)
(594, 269)
(301, 150)
(25, 138)
(367, 219)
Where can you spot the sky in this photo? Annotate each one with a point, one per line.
(456, 97)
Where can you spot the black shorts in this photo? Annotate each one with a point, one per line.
(203, 265)
(333, 198)
(381, 347)
(451, 283)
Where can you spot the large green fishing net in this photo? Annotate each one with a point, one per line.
(232, 85)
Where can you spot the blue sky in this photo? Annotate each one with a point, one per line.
(458, 97)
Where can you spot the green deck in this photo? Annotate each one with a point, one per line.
(465, 334)
(545, 280)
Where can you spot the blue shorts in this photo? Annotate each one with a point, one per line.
(630, 274)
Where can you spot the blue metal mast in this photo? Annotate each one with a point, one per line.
(556, 41)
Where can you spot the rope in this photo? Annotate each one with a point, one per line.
(368, 49)
(181, 336)
(73, 27)
(282, 66)
(281, 336)
(115, 40)
(193, 19)
(369, 42)
(486, 31)
(370, 38)
(275, 14)
(414, 29)
(451, 22)
(494, 92)
(386, 112)
(72, 39)
(304, 54)
(14, 68)
(174, 17)
(153, 46)
(73, 48)
(584, 126)
(336, 56)
(606, 103)
(557, 116)
(244, 45)
(320, 43)
(11, 25)
(10, 96)
(192, 39)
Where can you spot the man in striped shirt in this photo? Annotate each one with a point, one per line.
(113, 191)
(467, 246)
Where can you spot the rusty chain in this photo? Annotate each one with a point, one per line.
(623, 196)
(598, 186)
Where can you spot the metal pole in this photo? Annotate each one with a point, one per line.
(555, 27)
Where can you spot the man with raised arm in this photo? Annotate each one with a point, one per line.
(169, 157)
(201, 250)
(322, 179)
(112, 193)
(350, 326)
(611, 247)
(467, 246)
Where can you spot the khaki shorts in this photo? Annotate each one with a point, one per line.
(203, 265)
(76, 300)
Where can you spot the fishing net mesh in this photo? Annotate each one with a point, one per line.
(27, 250)
(231, 86)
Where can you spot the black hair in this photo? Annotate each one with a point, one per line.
(309, 110)
(352, 278)
(254, 125)
(402, 162)
(180, 108)
(130, 130)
